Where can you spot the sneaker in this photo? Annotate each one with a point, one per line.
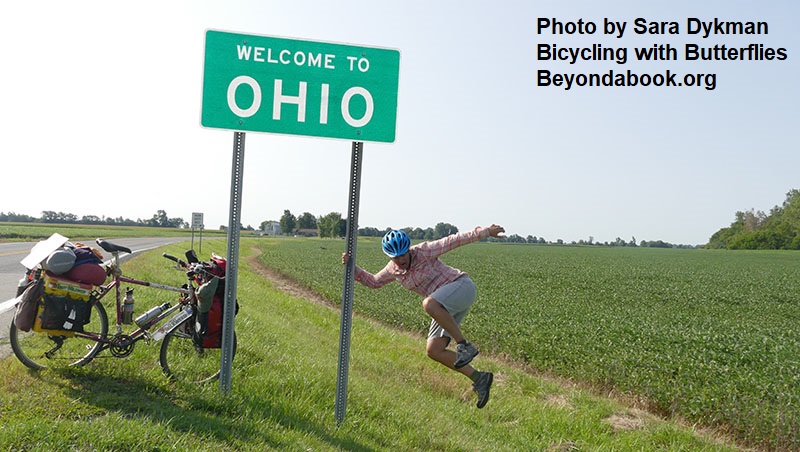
(464, 354)
(482, 387)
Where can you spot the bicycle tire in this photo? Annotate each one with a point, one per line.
(40, 350)
(182, 360)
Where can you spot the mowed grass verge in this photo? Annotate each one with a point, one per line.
(283, 393)
(711, 336)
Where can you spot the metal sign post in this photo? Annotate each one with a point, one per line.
(254, 83)
(197, 222)
(349, 280)
(232, 267)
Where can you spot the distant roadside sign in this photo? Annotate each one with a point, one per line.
(298, 87)
(197, 220)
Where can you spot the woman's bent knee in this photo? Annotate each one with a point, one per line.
(430, 304)
(435, 347)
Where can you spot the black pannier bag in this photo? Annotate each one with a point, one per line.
(64, 306)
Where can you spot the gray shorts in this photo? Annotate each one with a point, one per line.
(457, 297)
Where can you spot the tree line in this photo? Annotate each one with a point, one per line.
(756, 230)
(333, 225)
(780, 229)
(159, 219)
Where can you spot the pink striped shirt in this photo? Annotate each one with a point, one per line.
(427, 273)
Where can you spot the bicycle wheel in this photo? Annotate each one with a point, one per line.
(43, 350)
(182, 360)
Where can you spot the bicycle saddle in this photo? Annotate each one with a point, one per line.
(112, 248)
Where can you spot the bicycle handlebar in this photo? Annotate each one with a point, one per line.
(192, 268)
(175, 259)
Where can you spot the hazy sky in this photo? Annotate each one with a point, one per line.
(101, 106)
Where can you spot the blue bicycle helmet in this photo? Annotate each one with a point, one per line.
(395, 243)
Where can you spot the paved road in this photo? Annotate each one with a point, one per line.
(11, 271)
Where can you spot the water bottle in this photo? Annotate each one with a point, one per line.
(127, 307)
(30, 276)
(22, 285)
(143, 321)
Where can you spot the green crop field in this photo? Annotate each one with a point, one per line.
(711, 336)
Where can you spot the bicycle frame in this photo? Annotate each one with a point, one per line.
(185, 302)
(117, 283)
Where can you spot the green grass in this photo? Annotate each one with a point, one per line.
(283, 392)
(711, 336)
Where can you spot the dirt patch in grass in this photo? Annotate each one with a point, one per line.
(631, 420)
(558, 401)
(285, 283)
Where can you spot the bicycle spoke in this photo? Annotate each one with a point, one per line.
(183, 360)
(40, 350)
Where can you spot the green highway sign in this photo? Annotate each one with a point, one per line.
(296, 87)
